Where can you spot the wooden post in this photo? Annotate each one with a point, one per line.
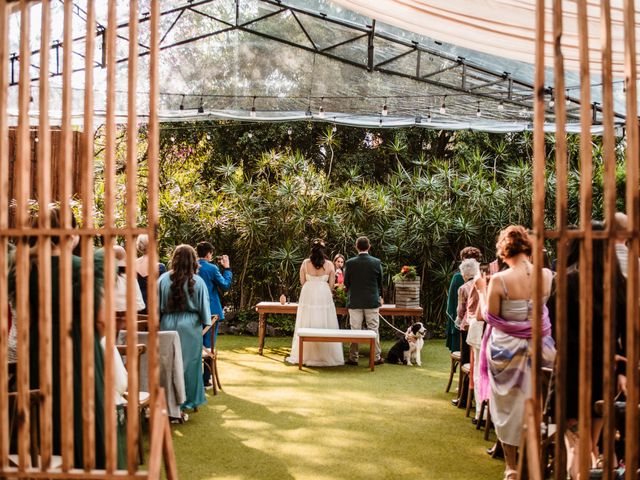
(131, 215)
(4, 224)
(633, 212)
(44, 243)
(561, 249)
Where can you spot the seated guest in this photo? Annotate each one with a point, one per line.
(574, 271)
(453, 333)
(505, 364)
(76, 342)
(184, 307)
(120, 289)
(467, 307)
(338, 263)
(142, 266)
(216, 282)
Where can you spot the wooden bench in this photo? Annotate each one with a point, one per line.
(336, 335)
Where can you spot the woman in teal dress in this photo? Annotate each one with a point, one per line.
(184, 307)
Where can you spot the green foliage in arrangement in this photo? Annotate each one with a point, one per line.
(261, 192)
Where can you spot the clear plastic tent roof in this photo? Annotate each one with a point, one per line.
(270, 60)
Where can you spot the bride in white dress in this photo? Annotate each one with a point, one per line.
(317, 310)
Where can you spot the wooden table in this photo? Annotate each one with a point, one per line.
(276, 308)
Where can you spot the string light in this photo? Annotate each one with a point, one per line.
(321, 111)
(501, 105)
(428, 114)
(208, 136)
(335, 128)
(552, 102)
(443, 107)
(289, 132)
(201, 107)
(172, 138)
(385, 110)
(182, 103)
(478, 112)
(253, 108)
(250, 134)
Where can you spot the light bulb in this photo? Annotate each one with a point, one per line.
(208, 137)
(321, 112)
(334, 129)
(501, 106)
(289, 132)
(478, 112)
(385, 110)
(429, 117)
(173, 139)
(250, 135)
(253, 112)
(551, 103)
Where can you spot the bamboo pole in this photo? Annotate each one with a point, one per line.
(632, 194)
(561, 226)
(131, 214)
(609, 287)
(4, 223)
(87, 268)
(65, 300)
(44, 243)
(109, 202)
(22, 168)
(152, 207)
(586, 269)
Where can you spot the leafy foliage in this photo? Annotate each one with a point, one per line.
(262, 192)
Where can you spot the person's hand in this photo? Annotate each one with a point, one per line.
(381, 300)
(622, 384)
(224, 260)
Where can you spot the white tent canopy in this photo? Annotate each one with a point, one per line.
(386, 63)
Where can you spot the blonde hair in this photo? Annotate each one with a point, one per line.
(142, 242)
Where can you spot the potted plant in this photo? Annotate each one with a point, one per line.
(407, 287)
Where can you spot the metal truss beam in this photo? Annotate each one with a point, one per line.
(491, 79)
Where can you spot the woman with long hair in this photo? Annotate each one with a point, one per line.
(184, 307)
(338, 263)
(316, 309)
(505, 364)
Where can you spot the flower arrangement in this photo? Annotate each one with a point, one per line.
(406, 273)
(340, 295)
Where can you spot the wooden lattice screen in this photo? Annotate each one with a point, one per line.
(65, 287)
(586, 235)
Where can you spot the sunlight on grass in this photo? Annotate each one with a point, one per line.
(275, 422)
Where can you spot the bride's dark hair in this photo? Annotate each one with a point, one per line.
(318, 254)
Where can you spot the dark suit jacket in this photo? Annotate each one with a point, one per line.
(363, 279)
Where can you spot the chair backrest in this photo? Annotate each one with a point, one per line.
(214, 319)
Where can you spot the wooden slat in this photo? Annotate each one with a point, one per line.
(4, 221)
(538, 223)
(44, 243)
(152, 208)
(87, 269)
(586, 270)
(632, 194)
(65, 300)
(131, 215)
(23, 164)
(609, 287)
(109, 202)
(561, 246)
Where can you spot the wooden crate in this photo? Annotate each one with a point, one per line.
(407, 293)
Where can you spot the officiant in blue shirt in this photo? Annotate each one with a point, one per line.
(216, 281)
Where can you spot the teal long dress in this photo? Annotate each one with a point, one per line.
(188, 323)
(453, 334)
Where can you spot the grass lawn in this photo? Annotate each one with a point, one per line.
(275, 422)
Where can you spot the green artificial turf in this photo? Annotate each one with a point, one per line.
(275, 422)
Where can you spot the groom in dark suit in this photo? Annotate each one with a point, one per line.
(363, 280)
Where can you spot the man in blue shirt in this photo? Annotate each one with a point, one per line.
(215, 281)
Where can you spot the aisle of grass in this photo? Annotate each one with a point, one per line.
(275, 422)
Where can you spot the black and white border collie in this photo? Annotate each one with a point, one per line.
(407, 349)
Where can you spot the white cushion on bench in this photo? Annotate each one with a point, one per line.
(335, 333)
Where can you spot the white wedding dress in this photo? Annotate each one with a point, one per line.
(316, 310)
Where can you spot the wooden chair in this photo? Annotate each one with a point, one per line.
(210, 355)
(455, 361)
(144, 398)
(465, 387)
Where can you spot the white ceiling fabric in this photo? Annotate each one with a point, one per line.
(499, 27)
